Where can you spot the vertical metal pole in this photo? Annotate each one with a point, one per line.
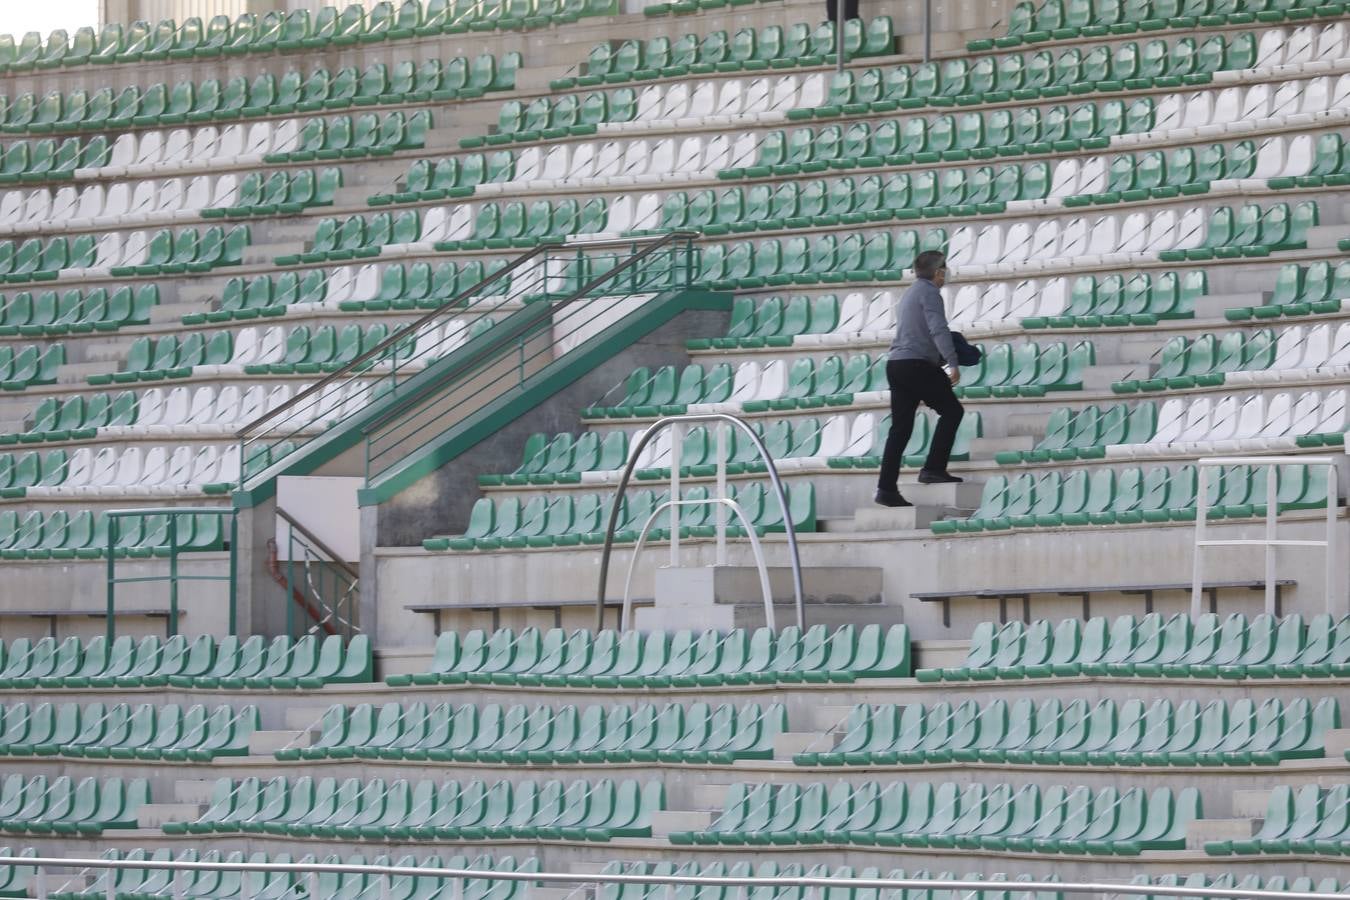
(40, 883)
(112, 569)
(927, 30)
(676, 456)
(1272, 505)
(172, 627)
(1201, 498)
(385, 886)
(1333, 543)
(720, 509)
(313, 886)
(110, 889)
(234, 576)
(839, 36)
(290, 580)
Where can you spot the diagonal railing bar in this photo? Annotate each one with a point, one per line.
(807, 881)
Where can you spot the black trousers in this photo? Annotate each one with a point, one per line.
(832, 10)
(915, 381)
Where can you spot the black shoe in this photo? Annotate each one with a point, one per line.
(892, 499)
(927, 477)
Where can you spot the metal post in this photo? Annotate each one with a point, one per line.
(1197, 567)
(172, 627)
(313, 886)
(290, 580)
(234, 551)
(723, 429)
(839, 36)
(109, 628)
(1333, 543)
(1272, 510)
(40, 883)
(927, 30)
(676, 455)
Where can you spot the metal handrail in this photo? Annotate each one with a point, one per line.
(746, 881)
(500, 338)
(309, 536)
(626, 617)
(398, 336)
(764, 454)
(1270, 543)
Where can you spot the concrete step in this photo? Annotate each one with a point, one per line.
(193, 791)
(1100, 378)
(732, 597)
(887, 520)
(965, 495)
(154, 815)
(78, 373)
(1326, 237)
(789, 743)
(1213, 306)
(664, 823)
(1200, 831)
(986, 447)
(266, 743)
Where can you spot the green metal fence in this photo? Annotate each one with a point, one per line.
(178, 528)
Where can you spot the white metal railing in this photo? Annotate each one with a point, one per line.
(386, 874)
(1270, 541)
(720, 504)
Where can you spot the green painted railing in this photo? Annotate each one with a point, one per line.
(173, 548)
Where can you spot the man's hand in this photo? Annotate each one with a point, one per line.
(954, 374)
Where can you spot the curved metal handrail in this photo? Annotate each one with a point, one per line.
(636, 451)
(626, 618)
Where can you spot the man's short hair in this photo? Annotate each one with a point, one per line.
(927, 263)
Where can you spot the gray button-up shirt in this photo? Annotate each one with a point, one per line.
(921, 330)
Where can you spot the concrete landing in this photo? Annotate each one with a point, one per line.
(732, 597)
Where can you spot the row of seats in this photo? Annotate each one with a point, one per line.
(280, 193)
(225, 884)
(1203, 425)
(23, 366)
(1045, 75)
(369, 135)
(1001, 817)
(612, 659)
(162, 252)
(204, 662)
(425, 810)
(1315, 289)
(275, 31)
(748, 49)
(368, 288)
(1086, 126)
(515, 735)
(1030, 22)
(1157, 494)
(121, 731)
(1078, 733)
(188, 102)
(49, 314)
(883, 90)
(1088, 301)
(838, 441)
(1153, 646)
(182, 150)
(84, 535)
(123, 204)
(175, 471)
(1311, 821)
(566, 520)
(207, 410)
(65, 807)
(656, 107)
(1245, 357)
(45, 160)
